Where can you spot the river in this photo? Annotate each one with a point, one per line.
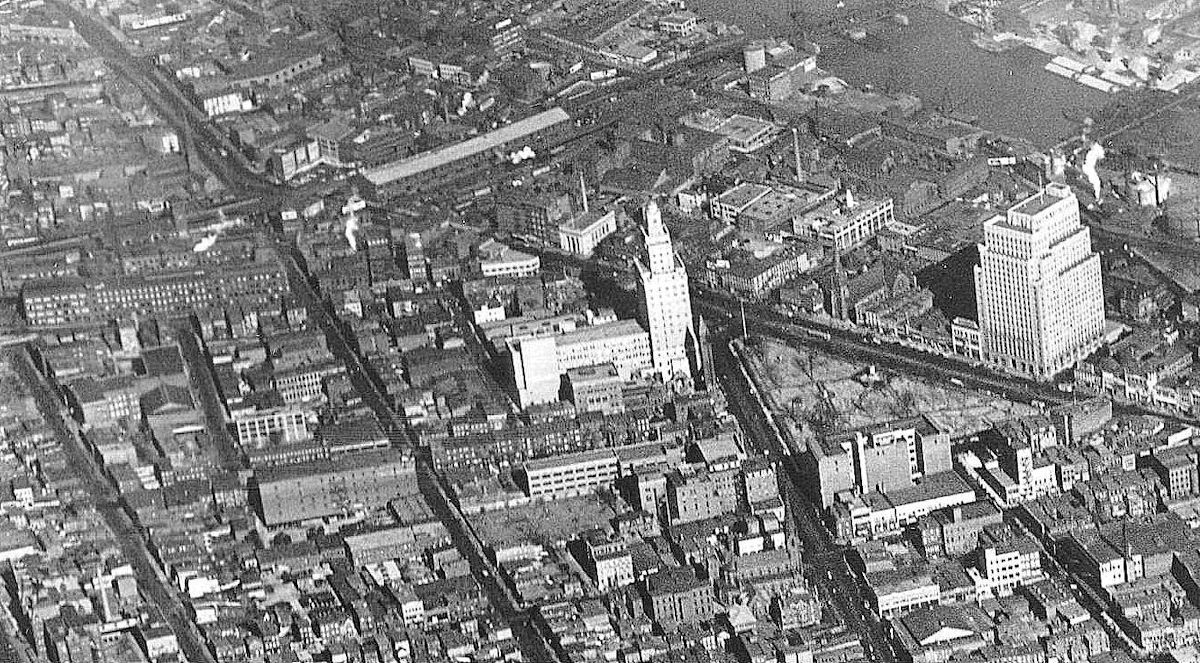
(934, 59)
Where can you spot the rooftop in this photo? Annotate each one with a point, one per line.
(1042, 200)
(594, 373)
(743, 194)
(588, 219)
(933, 486)
(596, 332)
(593, 456)
(345, 462)
(669, 581)
(465, 149)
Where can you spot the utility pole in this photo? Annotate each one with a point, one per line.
(742, 304)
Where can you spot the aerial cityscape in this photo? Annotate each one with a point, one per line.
(635, 331)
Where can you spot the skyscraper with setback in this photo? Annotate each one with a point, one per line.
(1039, 297)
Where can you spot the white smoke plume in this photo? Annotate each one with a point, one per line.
(206, 243)
(351, 231)
(214, 232)
(523, 154)
(1094, 154)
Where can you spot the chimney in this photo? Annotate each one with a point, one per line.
(583, 192)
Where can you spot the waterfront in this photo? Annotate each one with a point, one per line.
(934, 59)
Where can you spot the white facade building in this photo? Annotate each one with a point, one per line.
(539, 362)
(1040, 301)
(256, 429)
(848, 224)
(496, 259)
(583, 233)
(570, 475)
(666, 304)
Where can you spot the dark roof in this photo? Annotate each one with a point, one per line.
(671, 581)
(167, 396)
(162, 361)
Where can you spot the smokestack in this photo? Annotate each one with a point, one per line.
(351, 231)
(583, 192)
(796, 155)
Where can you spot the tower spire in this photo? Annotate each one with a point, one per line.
(665, 308)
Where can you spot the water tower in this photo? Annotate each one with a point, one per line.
(755, 56)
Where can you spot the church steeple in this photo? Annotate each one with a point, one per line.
(841, 289)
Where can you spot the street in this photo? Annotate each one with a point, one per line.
(211, 148)
(433, 489)
(825, 559)
(207, 143)
(205, 385)
(151, 582)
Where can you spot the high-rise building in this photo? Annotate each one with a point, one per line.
(665, 304)
(1040, 301)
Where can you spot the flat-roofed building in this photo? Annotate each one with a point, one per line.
(80, 302)
(772, 84)
(679, 23)
(895, 592)
(500, 260)
(532, 215)
(333, 487)
(596, 388)
(747, 134)
(305, 383)
(754, 277)
(955, 531)
(845, 225)
(1007, 559)
(873, 515)
(538, 363)
(676, 596)
(733, 202)
(104, 402)
(697, 494)
(402, 542)
(259, 428)
(569, 475)
(883, 457)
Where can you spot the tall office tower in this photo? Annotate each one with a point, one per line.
(1038, 291)
(666, 305)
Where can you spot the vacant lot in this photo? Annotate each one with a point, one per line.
(545, 523)
(821, 393)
